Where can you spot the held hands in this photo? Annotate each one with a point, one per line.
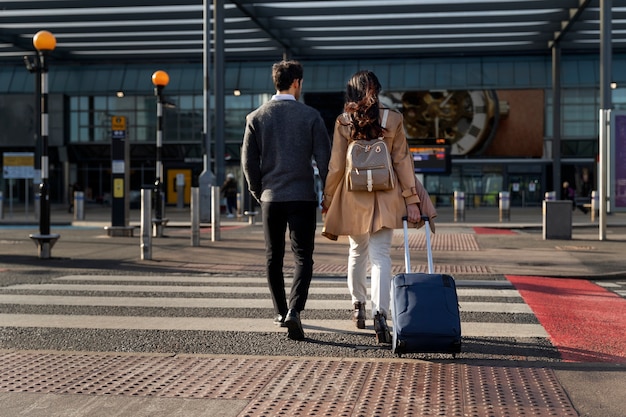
(324, 208)
(413, 213)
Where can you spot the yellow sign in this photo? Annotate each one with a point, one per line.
(172, 196)
(118, 123)
(19, 159)
(118, 188)
(18, 165)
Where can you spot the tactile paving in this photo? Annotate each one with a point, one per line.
(576, 248)
(417, 242)
(320, 269)
(296, 387)
(439, 242)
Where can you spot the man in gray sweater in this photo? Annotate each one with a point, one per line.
(281, 140)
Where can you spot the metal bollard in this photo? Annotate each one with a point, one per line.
(251, 216)
(595, 205)
(505, 205)
(79, 205)
(215, 213)
(37, 205)
(459, 206)
(146, 224)
(195, 216)
(180, 191)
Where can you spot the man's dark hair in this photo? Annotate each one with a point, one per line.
(285, 72)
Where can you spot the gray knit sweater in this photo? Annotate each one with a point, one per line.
(281, 139)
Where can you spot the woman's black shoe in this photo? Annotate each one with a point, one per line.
(383, 335)
(358, 315)
(279, 320)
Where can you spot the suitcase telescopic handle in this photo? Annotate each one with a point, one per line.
(429, 251)
(407, 256)
(429, 248)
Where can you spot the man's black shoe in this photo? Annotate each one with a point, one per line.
(294, 326)
(279, 320)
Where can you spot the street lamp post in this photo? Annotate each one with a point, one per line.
(44, 42)
(160, 79)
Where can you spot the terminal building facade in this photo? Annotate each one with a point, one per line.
(495, 113)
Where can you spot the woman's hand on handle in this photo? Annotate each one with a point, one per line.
(413, 213)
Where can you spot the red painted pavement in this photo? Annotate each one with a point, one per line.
(492, 231)
(585, 322)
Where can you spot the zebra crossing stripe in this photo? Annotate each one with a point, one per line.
(243, 293)
(238, 325)
(222, 303)
(230, 289)
(339, 281)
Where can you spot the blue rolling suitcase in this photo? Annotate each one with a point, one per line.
(425, 310)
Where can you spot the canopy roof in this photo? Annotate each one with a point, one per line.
(172, 30)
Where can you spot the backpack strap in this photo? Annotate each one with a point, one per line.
(383, 122)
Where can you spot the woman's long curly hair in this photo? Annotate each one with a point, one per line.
(362, 106)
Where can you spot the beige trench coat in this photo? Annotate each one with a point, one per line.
(355, 213)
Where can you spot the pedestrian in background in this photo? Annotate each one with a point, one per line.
(229, 192)
(281, 140)
(569, 193)
(75, 187)
(368, 218)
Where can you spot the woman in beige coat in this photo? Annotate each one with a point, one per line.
(368, 218)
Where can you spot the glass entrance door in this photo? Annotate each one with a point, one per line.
(526, 190)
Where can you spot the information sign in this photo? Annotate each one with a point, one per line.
(18, 165)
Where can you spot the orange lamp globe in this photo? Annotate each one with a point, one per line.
(160, 78)
(44, 41)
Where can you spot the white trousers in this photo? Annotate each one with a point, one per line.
(375, 249)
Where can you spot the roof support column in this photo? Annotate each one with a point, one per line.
(556, 118)
(218, 36)
(605, 110)
(206, 178)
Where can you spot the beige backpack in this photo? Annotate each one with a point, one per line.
(368, 164)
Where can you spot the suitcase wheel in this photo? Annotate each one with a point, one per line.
(400, 346)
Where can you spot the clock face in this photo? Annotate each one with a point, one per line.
(465, 118)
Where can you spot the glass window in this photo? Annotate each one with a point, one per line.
(619, 98)
(481, 184)
(90, 117)
(186, 103)
(100, 103)
(580, 113)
